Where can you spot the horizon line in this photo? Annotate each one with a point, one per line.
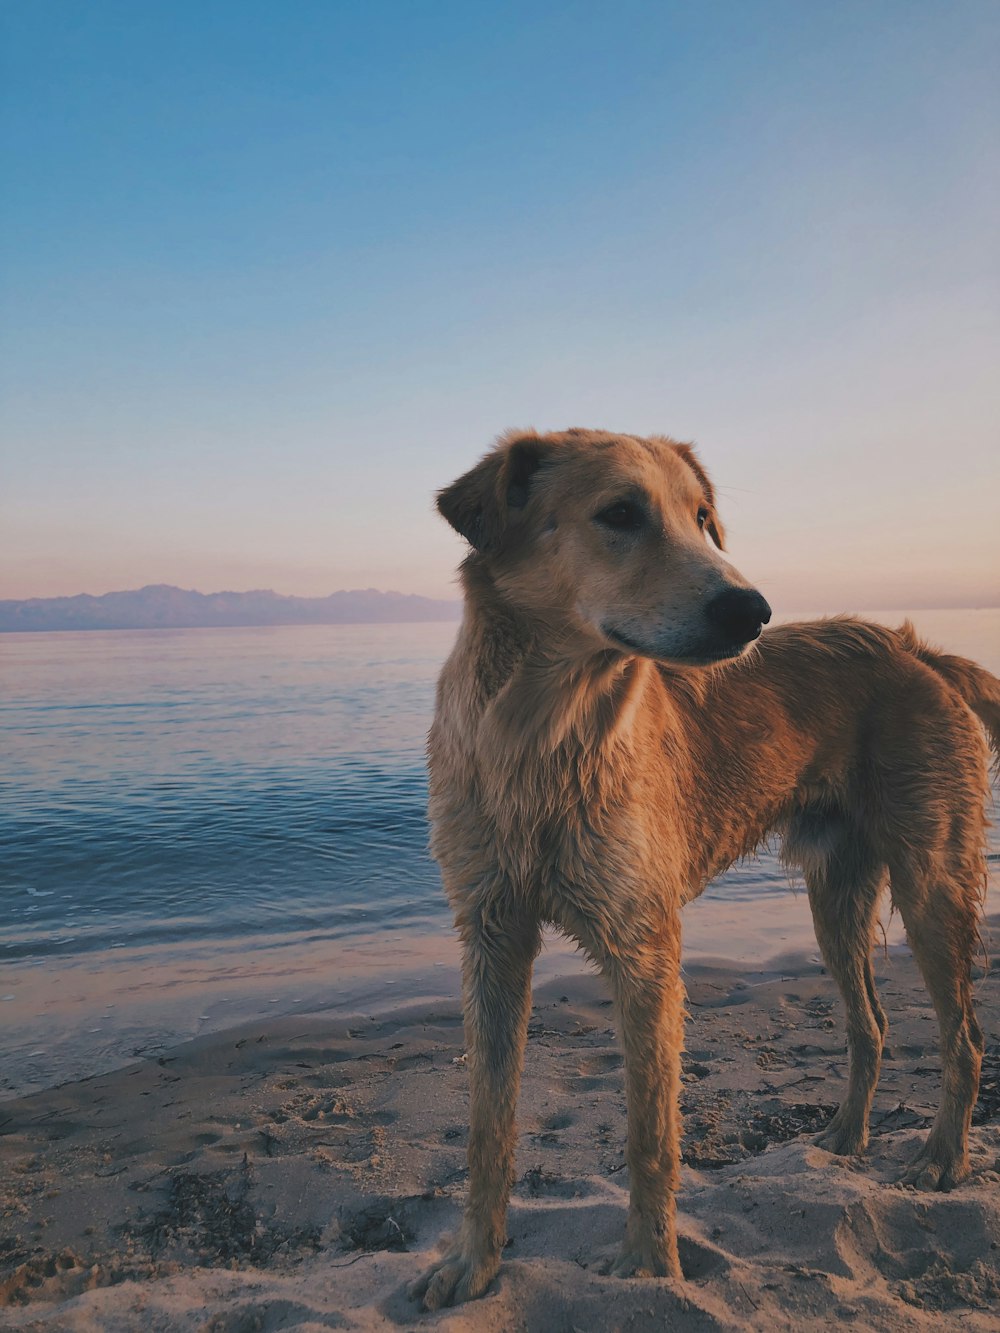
(967, 604)
(222, 592)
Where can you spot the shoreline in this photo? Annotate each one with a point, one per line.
(298, 1171)
(65, 1014)
(94, 1013)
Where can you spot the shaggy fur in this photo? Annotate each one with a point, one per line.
(593, 766)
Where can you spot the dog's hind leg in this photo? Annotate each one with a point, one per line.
(499, 949)
(845, 880)
(941, 917)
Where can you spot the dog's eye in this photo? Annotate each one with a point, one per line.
(625, 516)
(702, 517)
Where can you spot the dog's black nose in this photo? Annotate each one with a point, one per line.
(739, 613)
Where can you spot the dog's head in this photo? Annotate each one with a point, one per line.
(611, 540)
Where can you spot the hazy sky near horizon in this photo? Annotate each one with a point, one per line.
(273, 273)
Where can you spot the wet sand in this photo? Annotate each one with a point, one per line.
(65, 1018)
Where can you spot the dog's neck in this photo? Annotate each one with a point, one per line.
(542, 689)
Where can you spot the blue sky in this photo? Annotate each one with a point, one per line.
(273, 273)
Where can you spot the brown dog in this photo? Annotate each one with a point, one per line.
(593, 767)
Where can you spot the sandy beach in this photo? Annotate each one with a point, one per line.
(296, 1173)
(538, 460)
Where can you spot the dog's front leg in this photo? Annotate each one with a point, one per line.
(498, 952)
(650, 1001)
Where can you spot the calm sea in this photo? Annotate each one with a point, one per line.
(196, 784)
(183, 797)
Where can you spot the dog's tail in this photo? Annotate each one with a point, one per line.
(977, 686)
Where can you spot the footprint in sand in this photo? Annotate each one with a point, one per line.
(595, 1071)
(308, 1108)
(548, 1130)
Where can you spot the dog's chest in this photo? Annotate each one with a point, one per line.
(543, 823)
(548, 820)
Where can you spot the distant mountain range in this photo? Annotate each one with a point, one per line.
(160, 606)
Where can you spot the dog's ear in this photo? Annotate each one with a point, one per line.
(713, 526)
(478, 505)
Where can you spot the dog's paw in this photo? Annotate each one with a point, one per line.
(456, 1278)
(641, 1261)
(845, 1135)
(936, 1167)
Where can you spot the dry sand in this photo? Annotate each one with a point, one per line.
(297, 1173)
